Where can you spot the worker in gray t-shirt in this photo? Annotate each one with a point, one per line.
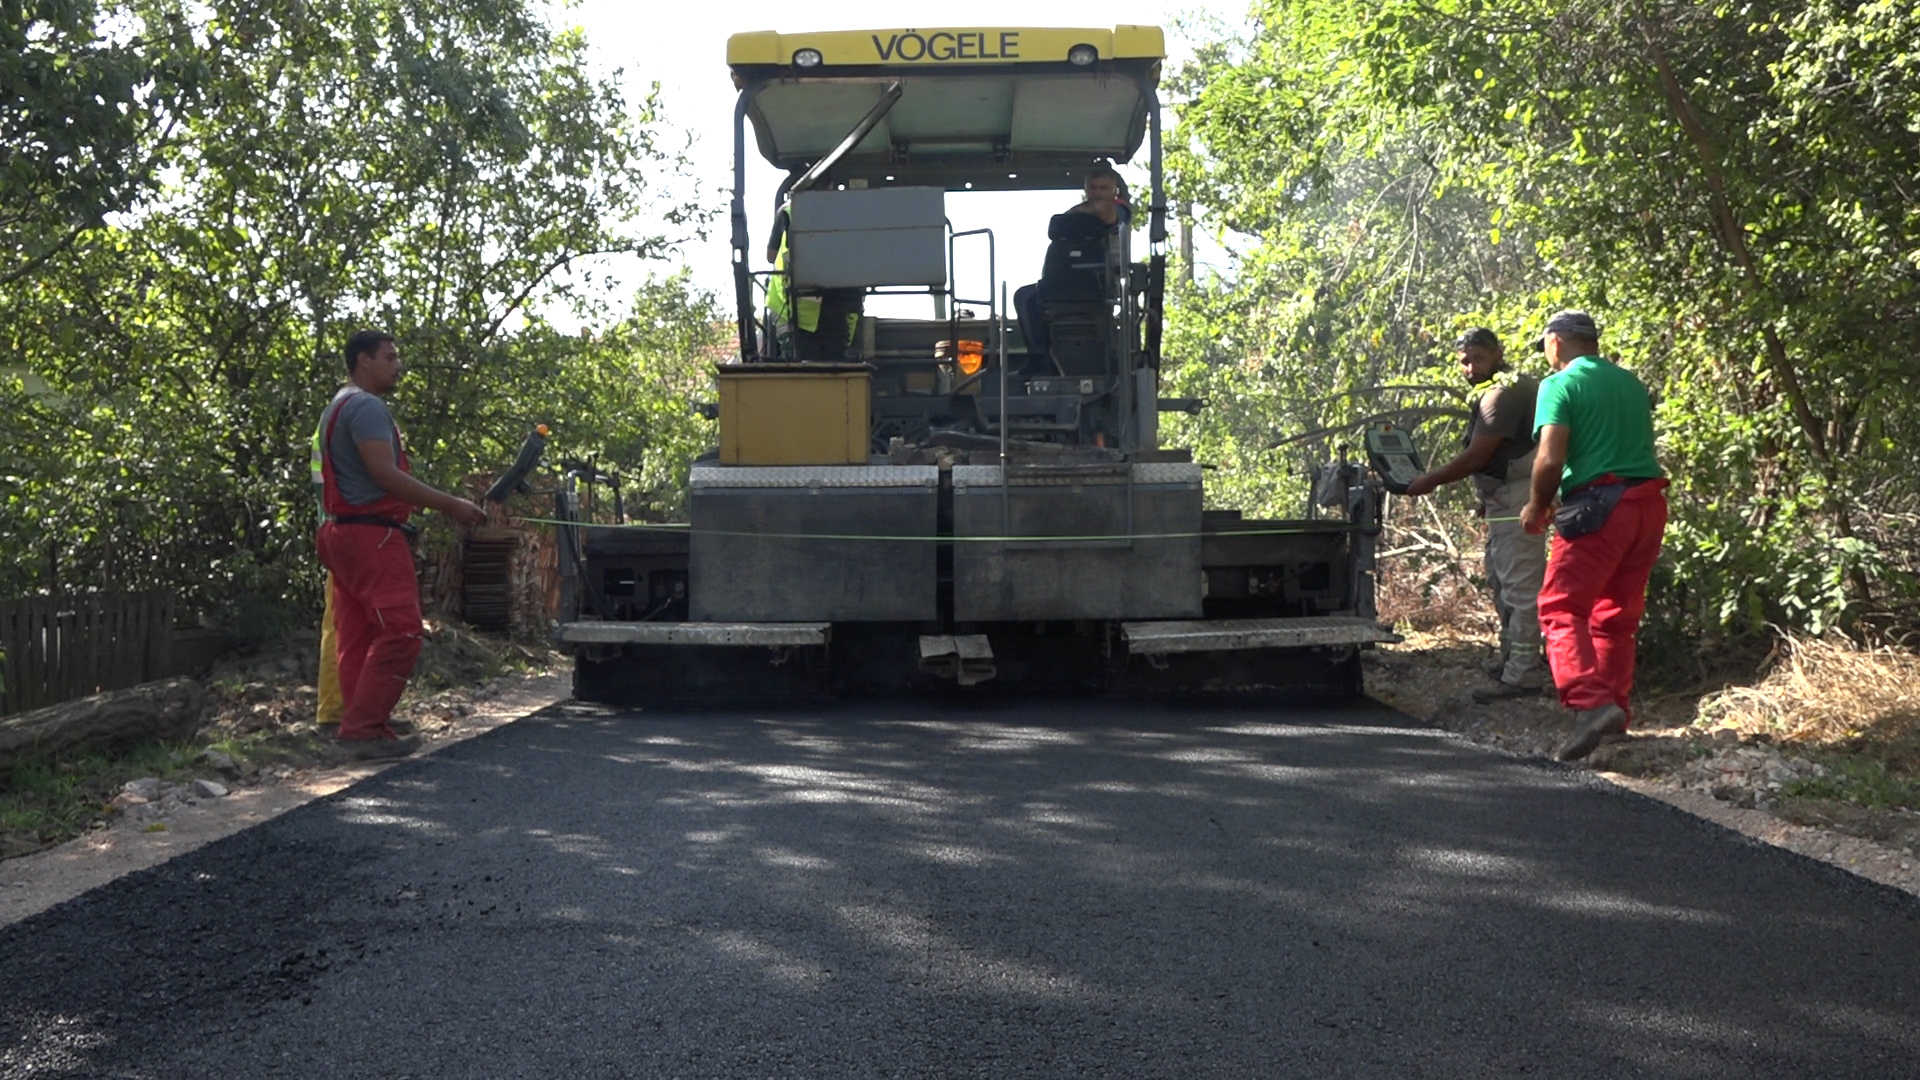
(362, 417)
(1498, 456)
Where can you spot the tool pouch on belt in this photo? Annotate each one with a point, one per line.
(1586, 510)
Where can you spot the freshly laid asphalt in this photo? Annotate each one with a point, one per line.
(1047, 889)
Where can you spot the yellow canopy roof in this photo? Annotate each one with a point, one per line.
(946, 45)
(981, 107)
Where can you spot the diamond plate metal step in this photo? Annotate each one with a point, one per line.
(1219, 635)
(695, 633)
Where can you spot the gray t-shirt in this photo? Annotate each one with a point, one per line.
(363, 417)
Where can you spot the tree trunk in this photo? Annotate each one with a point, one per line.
(168, 709)
(1733, 237)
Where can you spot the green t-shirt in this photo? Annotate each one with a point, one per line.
(1608, 415)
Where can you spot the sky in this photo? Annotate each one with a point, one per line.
(683, 47)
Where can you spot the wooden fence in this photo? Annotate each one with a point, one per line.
(56, 648)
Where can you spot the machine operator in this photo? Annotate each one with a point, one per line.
(1106, 202)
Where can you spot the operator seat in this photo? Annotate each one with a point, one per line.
(1073, 294)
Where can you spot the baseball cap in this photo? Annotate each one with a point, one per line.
(1568, 322)
(1479, 335)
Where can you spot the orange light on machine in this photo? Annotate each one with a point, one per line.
(970, 356)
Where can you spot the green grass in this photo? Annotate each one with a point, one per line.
(43, 802)
(1864, 781)
(46, 801)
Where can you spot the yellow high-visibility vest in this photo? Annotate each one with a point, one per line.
(313, 463)
(806, 314)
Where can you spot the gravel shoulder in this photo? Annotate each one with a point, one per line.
(1882, 862)
(33, 883)
(1733, 783)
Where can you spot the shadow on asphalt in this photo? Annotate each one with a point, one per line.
(897, 889)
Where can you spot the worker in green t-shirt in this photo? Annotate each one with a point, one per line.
(1594, 421)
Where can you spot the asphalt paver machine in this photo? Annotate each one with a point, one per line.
(943, 500)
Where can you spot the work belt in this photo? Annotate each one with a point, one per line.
(411, 532)
(1586, 508)
(1608, 478)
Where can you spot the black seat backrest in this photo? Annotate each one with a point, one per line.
(1078, 335)
(1075, 226)
(1076, 264)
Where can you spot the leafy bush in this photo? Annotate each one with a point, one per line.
(1726, 194)
(441, 170)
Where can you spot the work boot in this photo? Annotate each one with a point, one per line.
(372, 749)
(1589, 727)
(1496, 668)
(1502, 691)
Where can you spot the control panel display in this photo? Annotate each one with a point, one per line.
(1393, 456)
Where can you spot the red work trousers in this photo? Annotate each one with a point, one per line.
(1594, 594)
(376, 612)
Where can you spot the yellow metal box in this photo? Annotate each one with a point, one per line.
(794, 414)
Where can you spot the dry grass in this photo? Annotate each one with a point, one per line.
(1825, 691)
(1433, 598)
(1431, 578)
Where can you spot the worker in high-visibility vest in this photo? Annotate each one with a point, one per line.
(331, 704)
(1497, 456)
(807, 325)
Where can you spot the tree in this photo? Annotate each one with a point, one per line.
(85, 119)
(430, 167)
(1729, 190)
(1360, 255)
